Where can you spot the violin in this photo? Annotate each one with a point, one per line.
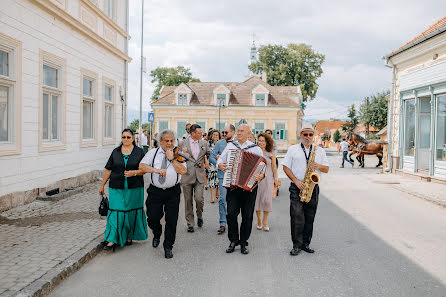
(180, 156)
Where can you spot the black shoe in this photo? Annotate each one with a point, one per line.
(190, 229)
(306, 248)
(295, 251)
(129, 242)
(168, 253)
(221, 230)
(110, 247)
(244, 250)
(155, 242)
(200, 223)
(231, 247)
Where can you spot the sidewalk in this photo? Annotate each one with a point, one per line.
(42, 241)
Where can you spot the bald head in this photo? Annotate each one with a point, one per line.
(243, 133)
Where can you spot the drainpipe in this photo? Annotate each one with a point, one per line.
(390, 117)
(126, 70)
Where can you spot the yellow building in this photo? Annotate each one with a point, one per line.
(262, 106)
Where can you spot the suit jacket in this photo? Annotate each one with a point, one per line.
(195, 171)
(217, 150)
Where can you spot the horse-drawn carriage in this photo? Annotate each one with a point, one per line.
(361, 147)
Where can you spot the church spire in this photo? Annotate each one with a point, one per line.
(252, 55)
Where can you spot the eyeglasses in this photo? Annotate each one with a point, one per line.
(224, 133)
(126, 137)
(308, 134)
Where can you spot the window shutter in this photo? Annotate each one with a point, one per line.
(286, 134)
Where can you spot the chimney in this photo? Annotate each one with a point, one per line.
(264, 76)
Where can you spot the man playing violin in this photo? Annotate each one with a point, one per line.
(164, 191)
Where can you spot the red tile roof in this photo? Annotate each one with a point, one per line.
(437, 26)
(240, 93)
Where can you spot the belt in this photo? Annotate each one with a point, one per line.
(164, 189)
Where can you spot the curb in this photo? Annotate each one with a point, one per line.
(52, 278)
(437, 202)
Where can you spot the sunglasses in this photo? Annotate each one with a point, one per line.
(308, 134)
(126, 137)
(224, 133)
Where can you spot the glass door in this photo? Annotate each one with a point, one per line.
(424, 128)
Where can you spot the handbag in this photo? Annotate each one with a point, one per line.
(103, 206)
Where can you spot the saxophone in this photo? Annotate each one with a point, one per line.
(310, 180)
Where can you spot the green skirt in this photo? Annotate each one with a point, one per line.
(126, 218)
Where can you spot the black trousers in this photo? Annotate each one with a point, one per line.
(239, 200)
(159, 203)
(302, 216)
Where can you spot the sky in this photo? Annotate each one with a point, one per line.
(213, 39)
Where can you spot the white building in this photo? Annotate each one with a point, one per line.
(63, 84)
(417, 111)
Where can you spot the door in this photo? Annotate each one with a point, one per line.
(424, 128)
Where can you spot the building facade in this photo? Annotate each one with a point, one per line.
(262, 106)
(63, 85)
(417, 112)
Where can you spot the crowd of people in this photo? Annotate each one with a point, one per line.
(197, 163)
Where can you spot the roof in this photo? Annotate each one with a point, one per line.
(331, 125)
(437, 28)
(382, 131)
(240, 93)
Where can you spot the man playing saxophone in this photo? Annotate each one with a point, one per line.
(300, 163)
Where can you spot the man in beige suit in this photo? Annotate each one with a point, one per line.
(193, 181)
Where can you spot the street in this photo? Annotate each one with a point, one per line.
(370, 240)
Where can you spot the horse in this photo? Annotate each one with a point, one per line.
(365, 147)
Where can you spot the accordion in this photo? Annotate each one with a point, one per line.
(243, 166)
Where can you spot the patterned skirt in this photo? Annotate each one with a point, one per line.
(212, 176)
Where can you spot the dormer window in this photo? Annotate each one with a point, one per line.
(260, 100)
(221, 99)
(182, 99)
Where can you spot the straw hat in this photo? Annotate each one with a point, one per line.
(306, 127)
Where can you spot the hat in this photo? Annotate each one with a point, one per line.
(306, 127)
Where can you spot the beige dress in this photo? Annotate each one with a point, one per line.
(264, 200)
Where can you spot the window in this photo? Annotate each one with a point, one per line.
(441, 129)
(280, 132)
(220, 125)
(89, 117)
(409, 127)
(425, 122)
(258, 128)
(202, 124)
(108, 111)
(181, 128)
(110, 8)
(260, 99)
(163, 125)
(221, 99)
(51, 107)
(10, 95)
(182, 99)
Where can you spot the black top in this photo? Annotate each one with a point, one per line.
(116, 165)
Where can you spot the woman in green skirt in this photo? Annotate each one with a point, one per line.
(126, 220)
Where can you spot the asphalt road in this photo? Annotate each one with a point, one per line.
(350, 260)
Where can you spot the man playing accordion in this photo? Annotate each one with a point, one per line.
(238, 199)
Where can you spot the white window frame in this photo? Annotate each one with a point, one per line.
(58, 63)
(107, 82)
(286, 129)
(158, 124)
(260, 89)
(218, 90)
(184, 96)
(254, 127)
(13, 81)
(92, 76)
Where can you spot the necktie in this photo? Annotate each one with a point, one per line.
(162, 179)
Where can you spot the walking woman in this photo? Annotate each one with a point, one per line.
(212, 170)
(264, 200)
(126, 220)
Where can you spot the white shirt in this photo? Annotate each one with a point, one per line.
(172, 178)
(295, 160)
(143, 139)
(224, 155)
(344, 146)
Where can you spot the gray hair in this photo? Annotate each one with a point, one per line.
(242, 125)
(165, 132)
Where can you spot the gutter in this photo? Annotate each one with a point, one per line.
(415, 42)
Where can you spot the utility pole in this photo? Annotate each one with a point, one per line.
(142, 61)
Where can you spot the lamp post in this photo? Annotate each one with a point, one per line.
(220, 105)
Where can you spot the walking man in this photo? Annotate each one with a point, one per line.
(228, 135)
(239, 200)
(193, 181)
(144, 141)
(295, 166)
(344, 149)
(187, 134)
(163, 194)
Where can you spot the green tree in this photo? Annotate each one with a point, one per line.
(336, 136)
(134, 125)
(354, 120)
(373, 110)
(293, 65)
(325, 136)
(170, 76)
